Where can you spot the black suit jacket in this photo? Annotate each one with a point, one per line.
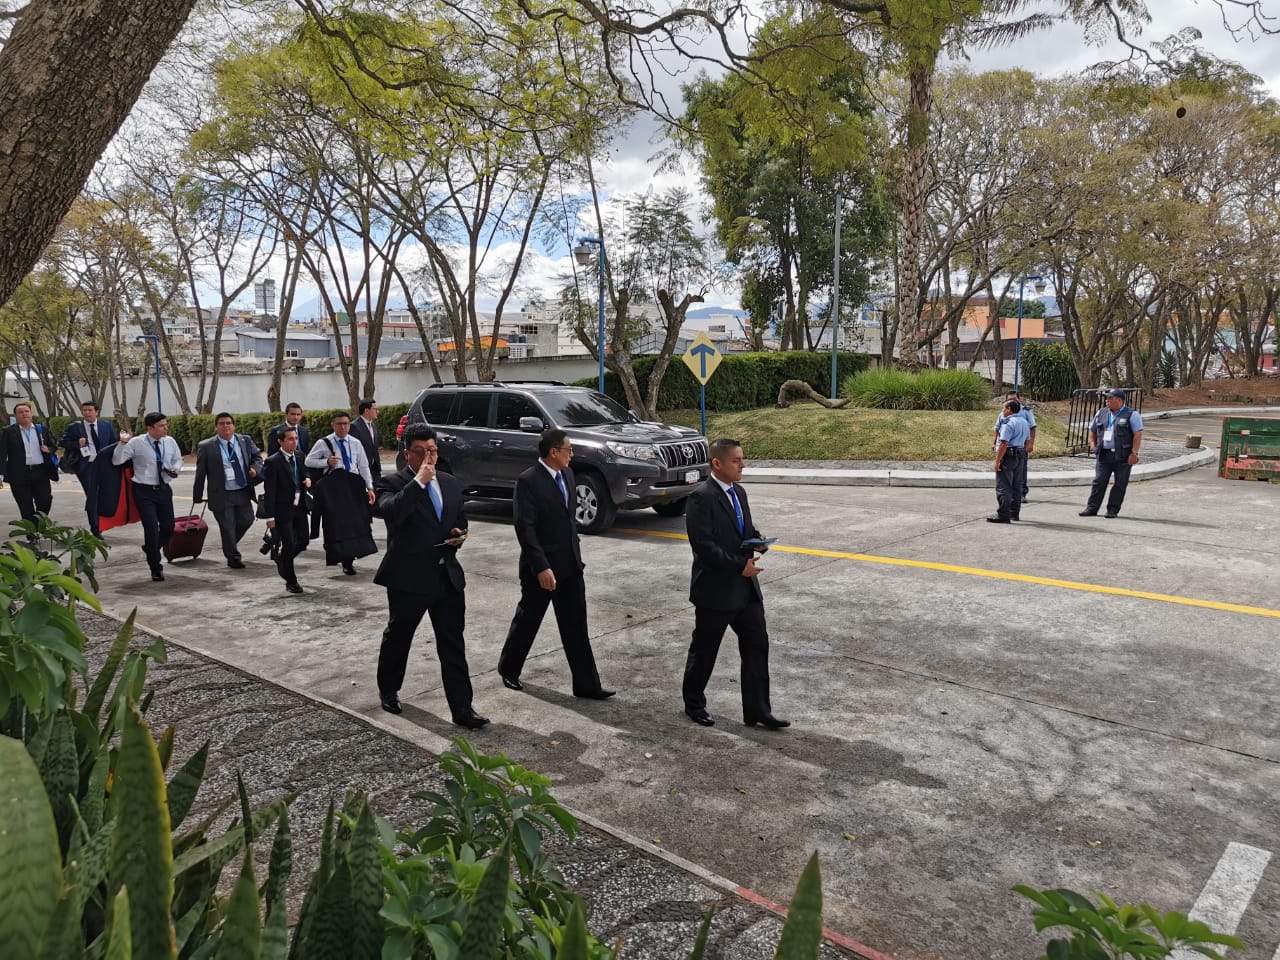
(360, 430)
(13, 454)
(71, 437)
(545, 527)
(279, 487)
(415, 562)
(717, 582)
(273, 439)
(209, 460)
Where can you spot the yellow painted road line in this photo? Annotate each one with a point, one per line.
(1001, 575)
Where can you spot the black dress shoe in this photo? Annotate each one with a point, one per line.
(700, 716)
(471, 720)
(1111, 516)
(391, 703)
(157, 575)
(293, 587)
(1088, 513)
(768, 720)
(600, 693)
(349, 569)
(511, 683)
(996, 518)
(235, 564)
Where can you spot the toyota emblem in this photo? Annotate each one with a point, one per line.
(689, 453)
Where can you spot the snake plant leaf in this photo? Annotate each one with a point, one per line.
(802, 933)
(30, 859)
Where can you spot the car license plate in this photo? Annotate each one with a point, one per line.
(691, 476)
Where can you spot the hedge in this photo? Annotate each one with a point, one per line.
(1047, 372)
(743, 381)
(190, 430)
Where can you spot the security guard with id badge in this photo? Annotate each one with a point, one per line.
(1115, 436)
(1011, 454)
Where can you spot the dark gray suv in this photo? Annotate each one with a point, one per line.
(488, 435)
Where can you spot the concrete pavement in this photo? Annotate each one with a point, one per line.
(1078, 702)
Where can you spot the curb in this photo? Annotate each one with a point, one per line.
(965, 478)
(1208, 412)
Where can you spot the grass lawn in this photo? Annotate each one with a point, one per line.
(810, 432)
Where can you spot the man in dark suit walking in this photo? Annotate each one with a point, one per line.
(84, 439)
(284, 506)
(232, 464)
(426, 525)
(725, 591)
(545, 502)
(292, 421)
(365, 429)
(26, 462)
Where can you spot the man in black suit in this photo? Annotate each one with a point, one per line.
(365, 429)
(292, 421)
(545, 502)
(232, 464)
(84, 439)
(426, 525)
(724, 590)
(284, 505)
(26, 462)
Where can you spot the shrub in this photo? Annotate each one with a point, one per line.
(1047, 372)
(893, 389)
(952, 390)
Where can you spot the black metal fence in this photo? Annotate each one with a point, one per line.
(1084, 405)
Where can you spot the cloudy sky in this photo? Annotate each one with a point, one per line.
(1065, 49)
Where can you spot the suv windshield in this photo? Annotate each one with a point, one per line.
(584, 409)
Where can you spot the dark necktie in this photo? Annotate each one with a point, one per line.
(564, 492)
(293, 468)
(155, 444)
(346, 456)
(737, 508)
(235, 466)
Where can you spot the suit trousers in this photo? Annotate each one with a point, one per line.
(155, 507)
(753, 647)
(448, 618)
(290, 534)
(88, 478)
(1108, 466)
(31, 490)
(234, 519)
(569, 599)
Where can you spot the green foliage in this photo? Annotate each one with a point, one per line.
(1030, 308)
(1106, 931)
(743, 381)
(1047, 372)
(1166, 370)
(893, 389)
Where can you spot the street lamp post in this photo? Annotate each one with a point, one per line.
(582, 253)
(155, 346)
(1017, 347)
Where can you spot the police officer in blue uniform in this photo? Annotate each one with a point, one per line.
(1026, 414)
(1011, 455)
(1115, 437)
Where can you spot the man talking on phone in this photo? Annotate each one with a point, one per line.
(725, 589)
(426, 526)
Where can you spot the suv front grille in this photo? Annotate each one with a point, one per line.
(686, 453)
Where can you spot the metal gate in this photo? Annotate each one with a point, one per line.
(1084, 405)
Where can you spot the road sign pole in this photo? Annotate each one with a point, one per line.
(704, 409)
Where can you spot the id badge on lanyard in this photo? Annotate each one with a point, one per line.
(1109, 435)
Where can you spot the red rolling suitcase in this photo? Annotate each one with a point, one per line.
(188, 538)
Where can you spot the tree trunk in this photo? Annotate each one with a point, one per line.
(70, 72)
(911, 192)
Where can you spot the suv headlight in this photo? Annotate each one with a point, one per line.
(634, 451)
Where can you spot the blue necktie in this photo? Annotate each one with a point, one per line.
(737, 508)
(346, 457)
(564, 492)
(235, 466)
(159, 455)
(436, 501)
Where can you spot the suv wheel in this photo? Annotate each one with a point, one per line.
(595, 507)
(671, 509)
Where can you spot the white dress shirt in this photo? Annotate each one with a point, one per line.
(146, 469)
(320, 454)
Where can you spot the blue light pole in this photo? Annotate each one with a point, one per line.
(1017, 347)
(155, 346)
(582, 253)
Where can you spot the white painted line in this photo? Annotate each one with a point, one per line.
(1224, 898)
(1277, 956)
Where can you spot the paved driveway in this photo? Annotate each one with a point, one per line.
(1065, 702)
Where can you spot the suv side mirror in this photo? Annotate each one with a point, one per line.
(530, 425)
